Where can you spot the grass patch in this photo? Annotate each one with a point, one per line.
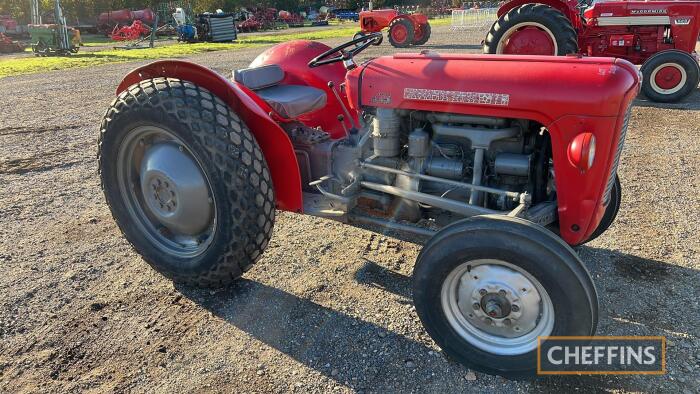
(441, 21)
(30, 65)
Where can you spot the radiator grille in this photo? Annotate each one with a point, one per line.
(616, 160)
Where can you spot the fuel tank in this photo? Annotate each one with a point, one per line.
(541, 88)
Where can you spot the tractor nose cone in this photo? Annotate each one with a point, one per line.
(175, 190)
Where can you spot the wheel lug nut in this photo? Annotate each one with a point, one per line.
(482, 292)
(476, 306)
(488, 320)
(502, 292)
(506, 322)
(514, 308)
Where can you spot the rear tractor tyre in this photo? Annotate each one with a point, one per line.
(401, 32)
(422, 34)
(487, 287)
(532, 29)
(669, 76)
(185, 181)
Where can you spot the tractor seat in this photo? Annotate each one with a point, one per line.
(289, 101)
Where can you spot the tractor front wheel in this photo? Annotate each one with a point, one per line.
(422, 34)
(361, 34)
(487, 287)
(401, 32)
(185, 181)
(669, 76)
(532, 29)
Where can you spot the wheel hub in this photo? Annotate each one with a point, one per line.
(175, 190)
(528, 39)
(497, 306)
(500, 293)
(399, 33)
(668, 77)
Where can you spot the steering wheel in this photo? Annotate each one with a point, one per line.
(359, 44)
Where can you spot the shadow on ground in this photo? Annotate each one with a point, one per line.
(370, 356)
(690, 102)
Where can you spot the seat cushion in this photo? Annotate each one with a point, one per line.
(259, 77)
(291, 101)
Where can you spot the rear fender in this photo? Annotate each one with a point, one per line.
(417, 19)
(567, 7)
(274, 142)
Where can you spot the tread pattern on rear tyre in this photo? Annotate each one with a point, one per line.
(564, 32)
(426, 35)
(232, 151)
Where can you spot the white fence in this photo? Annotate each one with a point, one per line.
(480, 18)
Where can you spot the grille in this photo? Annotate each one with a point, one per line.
(616, 160)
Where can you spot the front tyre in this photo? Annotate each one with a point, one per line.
(185, 181)
(487, 287)
(669, 76)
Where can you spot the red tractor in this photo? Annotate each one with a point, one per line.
(492, 159)
(659, 35)
(404, 29)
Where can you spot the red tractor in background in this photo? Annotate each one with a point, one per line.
(404, 29)
(132, 32)
(658, 35)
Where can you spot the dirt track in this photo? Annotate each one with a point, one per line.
(328, 307)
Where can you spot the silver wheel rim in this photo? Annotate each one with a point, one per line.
(659, 89)
(165, 192)
(497, 307)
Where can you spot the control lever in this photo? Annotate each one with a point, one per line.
(331, 86)
(341, 119)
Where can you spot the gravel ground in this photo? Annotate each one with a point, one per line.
(328, 308)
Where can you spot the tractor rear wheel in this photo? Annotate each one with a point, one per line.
(669, 76)
(487, 287)
(532, 29)
(185, 181)
(422, 34)
(401, 32)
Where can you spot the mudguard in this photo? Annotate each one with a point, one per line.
(274, 142)
(566, 95)
(567, 7)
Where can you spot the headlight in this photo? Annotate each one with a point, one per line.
(582, 151)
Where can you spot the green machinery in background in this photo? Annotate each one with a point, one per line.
(55, 38)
